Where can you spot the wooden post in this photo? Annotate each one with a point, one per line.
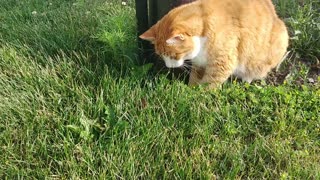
(143, 25)
(158, 8)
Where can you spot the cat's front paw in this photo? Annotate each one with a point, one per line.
(192, 83)
(210, 85)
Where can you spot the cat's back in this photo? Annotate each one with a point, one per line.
(238, 8)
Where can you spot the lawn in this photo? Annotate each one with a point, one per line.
(76, 104)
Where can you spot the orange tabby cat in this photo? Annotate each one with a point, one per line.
(244, 38)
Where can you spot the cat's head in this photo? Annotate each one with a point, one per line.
(173, 44)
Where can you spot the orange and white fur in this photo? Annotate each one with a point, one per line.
(244, 38)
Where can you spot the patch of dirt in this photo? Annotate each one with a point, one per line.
(293, 69)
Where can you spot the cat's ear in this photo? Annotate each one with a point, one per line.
(175, 40)
(148, 35)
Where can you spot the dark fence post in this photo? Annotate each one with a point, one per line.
(148, 12)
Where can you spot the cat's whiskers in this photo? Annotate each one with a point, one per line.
(187, 68)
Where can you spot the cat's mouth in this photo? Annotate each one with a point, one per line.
(172, 63)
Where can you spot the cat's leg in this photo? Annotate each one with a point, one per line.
(222, 56)
(195, 75)
(217, 73)
(220, 67)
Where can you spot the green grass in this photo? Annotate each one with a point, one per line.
(75, 104)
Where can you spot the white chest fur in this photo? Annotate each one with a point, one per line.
(199, 53)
